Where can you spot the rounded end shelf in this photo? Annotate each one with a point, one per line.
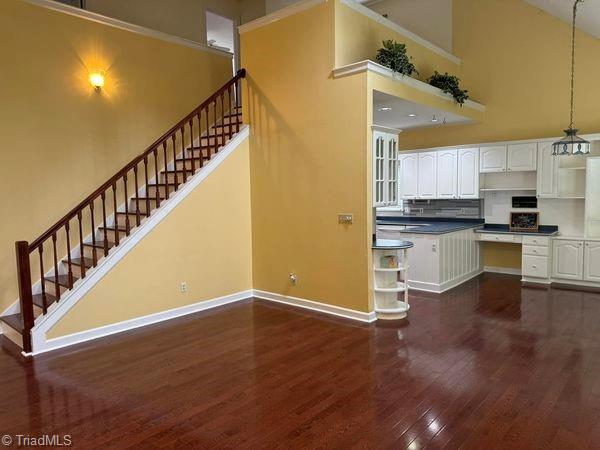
(399, 312)
(390, 269)
(399, 286)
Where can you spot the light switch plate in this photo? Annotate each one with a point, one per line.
(345, 219)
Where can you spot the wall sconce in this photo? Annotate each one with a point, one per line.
(97, 80)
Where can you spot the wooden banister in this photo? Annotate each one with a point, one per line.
(116, 188)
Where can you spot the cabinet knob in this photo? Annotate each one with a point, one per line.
(509, 168)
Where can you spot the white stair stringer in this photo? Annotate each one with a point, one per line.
(44, 323)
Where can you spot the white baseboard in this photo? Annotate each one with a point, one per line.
(504, 270)
(126, 325)
(316, 306)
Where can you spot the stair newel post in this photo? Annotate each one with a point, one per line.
(81, 249)
(56, 285)
(41, 255)
(94, 252)
(135, 192)
(25, 294)
(114, 190)
(191, 123)
(137, 205)
(103, 197)
(146, 184)
(69, 265)
(183, 154)
(173, 140)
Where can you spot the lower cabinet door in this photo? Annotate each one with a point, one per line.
(535, 266)
(592, 262)
(568, 260)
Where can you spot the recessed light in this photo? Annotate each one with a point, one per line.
(385, 108)
(412, 115)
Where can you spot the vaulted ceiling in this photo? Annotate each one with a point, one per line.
(588, 13)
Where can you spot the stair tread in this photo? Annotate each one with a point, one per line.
(13, 321)
(113, 228)
(63, 280)
(132, 213)
(99, 244)
(196, 158)
(152, 197)
(39, 301)
(178, 170)
(87, 262)
(165, 184)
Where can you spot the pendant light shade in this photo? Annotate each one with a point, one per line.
(572, 144)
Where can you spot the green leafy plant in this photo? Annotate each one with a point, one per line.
(450, 85)
(393, 56)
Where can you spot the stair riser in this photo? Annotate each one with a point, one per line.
(122, 219)
(111, 235)
(207, 153)
(212, 141)
(50, 287)
(231, 121)
(142, 205)
(78, 272)
(162, 190)
(188, 164)
(170, 177)
(88, 253)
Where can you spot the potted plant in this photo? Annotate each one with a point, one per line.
(393, 56)
(450, 84)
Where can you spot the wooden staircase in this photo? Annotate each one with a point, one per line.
(110, 214)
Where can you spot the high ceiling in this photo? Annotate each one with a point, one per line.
(588, 13)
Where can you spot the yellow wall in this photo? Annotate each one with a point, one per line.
(516, 61)
(61, 140)
(501, 255)
(357, 38)
(211, 251)
(308, 162)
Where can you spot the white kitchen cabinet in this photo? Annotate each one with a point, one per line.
(447, 174)
(592, 197)
(493, 159)
(522, 157)
(427, 176)
(547, 166)
(468, 172)
(534, 266)
(591, 261)
(568, 259)
(385, 169)
(409, 171)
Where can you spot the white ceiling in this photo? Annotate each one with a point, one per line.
(588, 13)
(399, 117)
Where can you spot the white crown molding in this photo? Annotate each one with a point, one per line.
(279, 14)
(122, 25)
(82, 287)
(371, 66)
(385, 129)
(316, 306)
(400, 30)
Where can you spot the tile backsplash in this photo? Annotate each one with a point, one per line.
(438, 208)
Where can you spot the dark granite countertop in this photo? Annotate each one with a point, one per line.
(390, 244)
(431, 225)
(500, 228)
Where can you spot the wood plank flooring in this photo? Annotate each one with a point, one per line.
(489, 365)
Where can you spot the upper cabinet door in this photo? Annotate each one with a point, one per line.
(592, 261)
(447, 174)
(546, 171)
(468, 173)
(409, 169)
(493, 159)
(522, 157)
(391, 193)
(379, 168)
(427, 186)
(568, 260)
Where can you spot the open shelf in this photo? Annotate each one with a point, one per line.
(398, 286)
(390, 269)
(401, 307)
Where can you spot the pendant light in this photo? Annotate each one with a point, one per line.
(571, 144)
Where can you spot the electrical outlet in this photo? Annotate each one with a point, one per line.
(183, 287)
(345, 219)
(293, 279)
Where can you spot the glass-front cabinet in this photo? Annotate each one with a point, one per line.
(385, 168)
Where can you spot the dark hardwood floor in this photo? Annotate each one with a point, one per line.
(487, 365)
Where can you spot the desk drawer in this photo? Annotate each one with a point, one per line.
(536, 240)
(535, 250)
(535, 266)
(496, 237)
